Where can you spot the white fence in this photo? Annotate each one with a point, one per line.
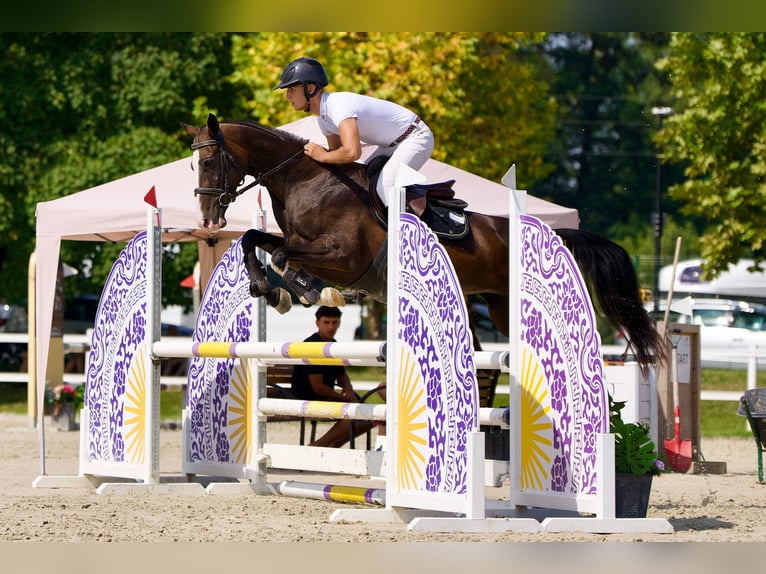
(74, 344)
(747, 361)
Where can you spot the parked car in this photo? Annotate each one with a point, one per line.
(729, 330)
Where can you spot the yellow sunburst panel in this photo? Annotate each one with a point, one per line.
(535, 425)
(135, 410)
(240, 407)
(411, 439)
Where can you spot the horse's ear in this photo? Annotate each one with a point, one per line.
(191, 130)
(212, 124)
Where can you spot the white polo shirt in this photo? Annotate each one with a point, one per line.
(379, 122)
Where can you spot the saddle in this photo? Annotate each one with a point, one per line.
(435, 204)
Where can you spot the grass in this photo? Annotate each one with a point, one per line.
(718, 418)
(13, 399)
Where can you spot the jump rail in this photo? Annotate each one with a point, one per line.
(270, 353)
(435, 465)
(358, 411)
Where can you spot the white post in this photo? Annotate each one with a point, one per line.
(752, 366)
(475, 479)
(518, 207)
(395, 207)
(153, 311)
(605, 462)
(258, 465)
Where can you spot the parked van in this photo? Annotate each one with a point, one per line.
(737, 282)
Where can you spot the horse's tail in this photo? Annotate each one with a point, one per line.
(611, 278)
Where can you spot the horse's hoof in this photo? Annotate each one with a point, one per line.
(331, 297)
(285, 302)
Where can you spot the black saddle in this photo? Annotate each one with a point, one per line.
(435, 204)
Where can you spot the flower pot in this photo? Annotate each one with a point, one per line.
(631, 493)
(63, 417)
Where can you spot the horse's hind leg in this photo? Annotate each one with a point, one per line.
(259, 283)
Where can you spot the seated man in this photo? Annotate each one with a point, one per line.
(317, 382)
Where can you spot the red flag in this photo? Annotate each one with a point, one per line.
(151, 198)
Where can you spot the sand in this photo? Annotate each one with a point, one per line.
(728, 507)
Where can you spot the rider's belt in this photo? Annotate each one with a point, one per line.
(407, 132)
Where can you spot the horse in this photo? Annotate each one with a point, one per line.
(331, 231)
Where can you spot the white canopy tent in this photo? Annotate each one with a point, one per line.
(116, 211)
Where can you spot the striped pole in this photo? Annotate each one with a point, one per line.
(333, 492)
(332, 410)
(358, 353)
(323, 409)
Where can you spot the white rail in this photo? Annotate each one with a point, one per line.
(493, 356)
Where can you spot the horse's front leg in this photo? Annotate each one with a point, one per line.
(259, 282)
(299, 281)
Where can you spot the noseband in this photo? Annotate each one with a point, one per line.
(224, 195)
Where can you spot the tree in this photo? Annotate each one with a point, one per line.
(605, 158)
(77, 110)
(718, 135)
(480, 93)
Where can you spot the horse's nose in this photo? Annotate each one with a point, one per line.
(207, 223)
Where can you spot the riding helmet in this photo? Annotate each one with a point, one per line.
(303, 71)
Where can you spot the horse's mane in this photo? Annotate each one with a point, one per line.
(281, 135)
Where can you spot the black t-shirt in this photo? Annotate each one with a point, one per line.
(301, 386)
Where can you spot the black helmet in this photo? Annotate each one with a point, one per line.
(303, 71)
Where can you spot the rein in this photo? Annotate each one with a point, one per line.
(226, 197)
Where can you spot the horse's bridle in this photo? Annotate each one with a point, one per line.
(224, 195)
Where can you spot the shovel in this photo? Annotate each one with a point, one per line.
(678, 452)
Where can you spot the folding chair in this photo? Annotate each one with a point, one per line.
(753, 406)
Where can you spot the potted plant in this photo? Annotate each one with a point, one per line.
(65, 402)
(636, 463)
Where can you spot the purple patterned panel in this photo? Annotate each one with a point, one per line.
(433, 328)
(558, 328)
(117, 344)
(225, 314)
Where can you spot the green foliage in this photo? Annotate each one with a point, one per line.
(605, 85)
(639, 243)
(634, 450)
(571, 110)
(81, 109)
(486, 103)
(718, 135)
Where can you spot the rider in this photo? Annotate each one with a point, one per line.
(348, 119)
